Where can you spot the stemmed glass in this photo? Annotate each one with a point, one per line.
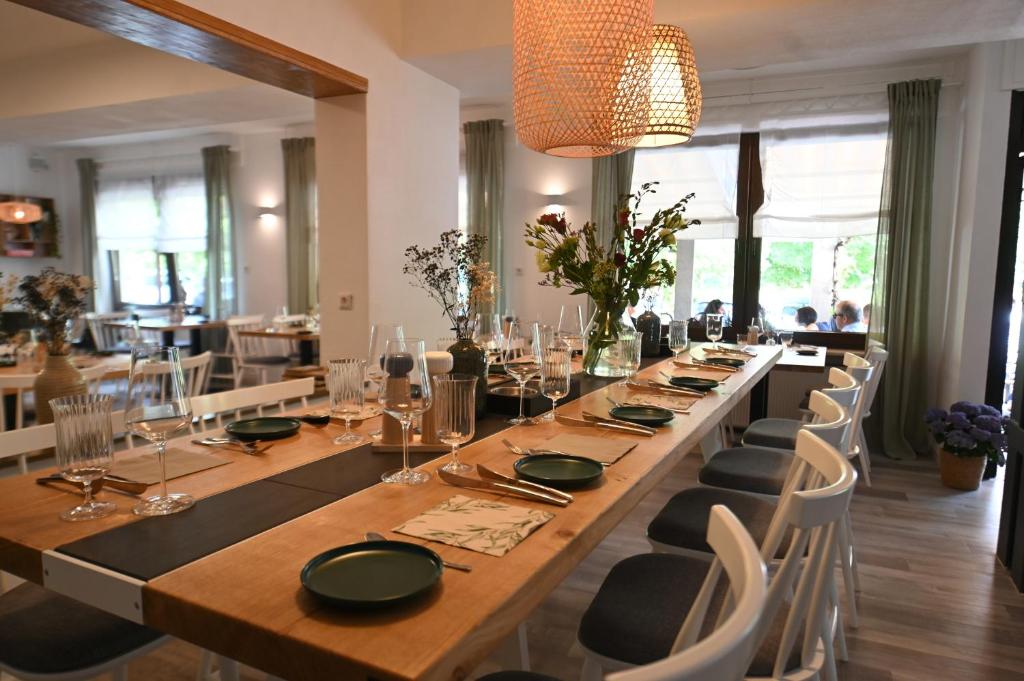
(379, 335)
(345, 381)
(677, 336)
(522, 369)
(157, 416)
(786, 338)
(85, 448)
(555, 373)
(570, 326)
(454, 413)
(714, 329)
(405, 367)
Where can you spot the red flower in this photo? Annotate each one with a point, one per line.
(561, 226)
(624, 217)
(549, 219)
(620, 259)
(638, 234)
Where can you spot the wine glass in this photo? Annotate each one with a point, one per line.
(677, 336)
(522, 369)
(454, 413)
(405, 366)
(345, 381)
(542, 336)
(713, 324)
(85, 448)
(570, 326)
(379, 335)
(786, 337)
(555, 373)
(157, 416)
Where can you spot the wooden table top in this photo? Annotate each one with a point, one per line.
(117, 365)
(246, 601)
(296, 333)
(792, 361)
(166, 324)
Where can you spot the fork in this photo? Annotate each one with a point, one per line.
(374, 536)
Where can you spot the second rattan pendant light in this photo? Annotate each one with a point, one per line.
(582, 74)
(676, 98)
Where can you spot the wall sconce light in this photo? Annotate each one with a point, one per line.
(267, 216)
(554, 203)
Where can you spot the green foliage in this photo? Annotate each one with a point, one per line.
(788, 264)
(856, 263)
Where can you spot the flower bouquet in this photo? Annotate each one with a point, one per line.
(613, 274)
(54, 300)
(969, 435)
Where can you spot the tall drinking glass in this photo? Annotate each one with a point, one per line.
(555, 374)
(677, 336)
(158, 416)
(345, 382)
(521, 369)
(406, 394)
(454, 413)
(85, 448)
(570, 326)
(714, 329)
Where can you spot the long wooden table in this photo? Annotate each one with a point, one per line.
(245, 601)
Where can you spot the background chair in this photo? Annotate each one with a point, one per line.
(250, 353)
(234, 401)
(106, 337)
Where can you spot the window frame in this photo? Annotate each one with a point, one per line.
(118, 304)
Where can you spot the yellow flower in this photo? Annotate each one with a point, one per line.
(668, 237)
(543, 264)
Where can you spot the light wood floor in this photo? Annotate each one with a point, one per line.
(935, 602)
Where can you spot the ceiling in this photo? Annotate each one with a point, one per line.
(468, 42)
(28, 33)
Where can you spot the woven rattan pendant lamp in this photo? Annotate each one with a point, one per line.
(582, 74)
(676, 98)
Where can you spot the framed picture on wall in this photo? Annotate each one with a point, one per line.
(28, 227)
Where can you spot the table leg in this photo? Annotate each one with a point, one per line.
(305, 352)
(196, 339)
(168, 338)
(759, 399)
(10, 410)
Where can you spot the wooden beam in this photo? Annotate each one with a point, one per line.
(176, 28)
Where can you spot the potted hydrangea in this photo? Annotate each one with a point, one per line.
(969, 436)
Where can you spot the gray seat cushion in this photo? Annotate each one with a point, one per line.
(750, 469)
(44, 633)
(683, 521)
(517, 675)
(267, 361)
(777, 433)
(640, 608)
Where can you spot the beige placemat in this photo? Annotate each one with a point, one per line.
(180, 462)
(483, 525)
(669, 402)
(605, 450)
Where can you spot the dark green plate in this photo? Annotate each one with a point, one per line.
(263, 428)
(372, 574)
(561, 471)
(725, 361)
(693, 383)
(645, 416)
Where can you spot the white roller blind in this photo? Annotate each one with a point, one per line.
(181, 202)
(165, 214)
(821, 184)
(706, 168)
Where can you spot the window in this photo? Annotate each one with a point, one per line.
(154, 230)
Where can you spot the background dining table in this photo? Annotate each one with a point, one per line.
(306, 338)
(225, 574)
(167, 327)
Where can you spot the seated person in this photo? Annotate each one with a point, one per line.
(848, 317)
(716, 306)
(806, 319)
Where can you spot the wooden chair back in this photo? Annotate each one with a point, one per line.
(234, 401)
(195, 371)
(16, 385)
(105, 336)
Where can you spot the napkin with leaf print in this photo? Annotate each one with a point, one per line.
(483, 525)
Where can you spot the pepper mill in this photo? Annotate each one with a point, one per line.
(397, 388)
(438, 362)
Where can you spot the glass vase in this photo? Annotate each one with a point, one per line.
(470, 358)
(610, 344)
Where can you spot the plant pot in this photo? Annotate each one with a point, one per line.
(961, 472)
(59, 378)
(611, 345)
(469, 358)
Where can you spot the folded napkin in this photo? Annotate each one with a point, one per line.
(701, 372)
(605, 450)
(663, 401)
(180, 462)
(483, 525)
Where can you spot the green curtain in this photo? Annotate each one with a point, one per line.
(87, 197)
(221, 299)
(485, 186)
(611, 179)
(899, 301)
(300, 211)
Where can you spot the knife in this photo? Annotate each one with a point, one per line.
(499, 488)
(128, 487)
(636, 430)
(486, 472)
(587, 416)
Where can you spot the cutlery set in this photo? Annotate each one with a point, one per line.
(112, 482)
(701, 364)
(517, 489)
(593, 421)
(677, 410)
(250, 447)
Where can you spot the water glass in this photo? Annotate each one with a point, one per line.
(158, 416)
(786, 337)
(85, 448)
(454, 413)
(379, 335)
(345, 382)
(677, 336)
(555, 374)
(713, 324)
(405, 366)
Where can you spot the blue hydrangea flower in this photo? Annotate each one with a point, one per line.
(934, 414)
(990, 423)
(959, 421)
(989, 410)
(968, 408)
(959, 439)
(980, 435)
(937, 427)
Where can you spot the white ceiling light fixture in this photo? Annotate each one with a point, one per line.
(676, 98)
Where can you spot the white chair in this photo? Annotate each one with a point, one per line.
(194, 370)
(250, 354)
(877, 355)
(93, 377)
(108, 338)
(864, 372)
(631, 620)
(234, 401)
(16, 385)
(724, 653)
(227, 354)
